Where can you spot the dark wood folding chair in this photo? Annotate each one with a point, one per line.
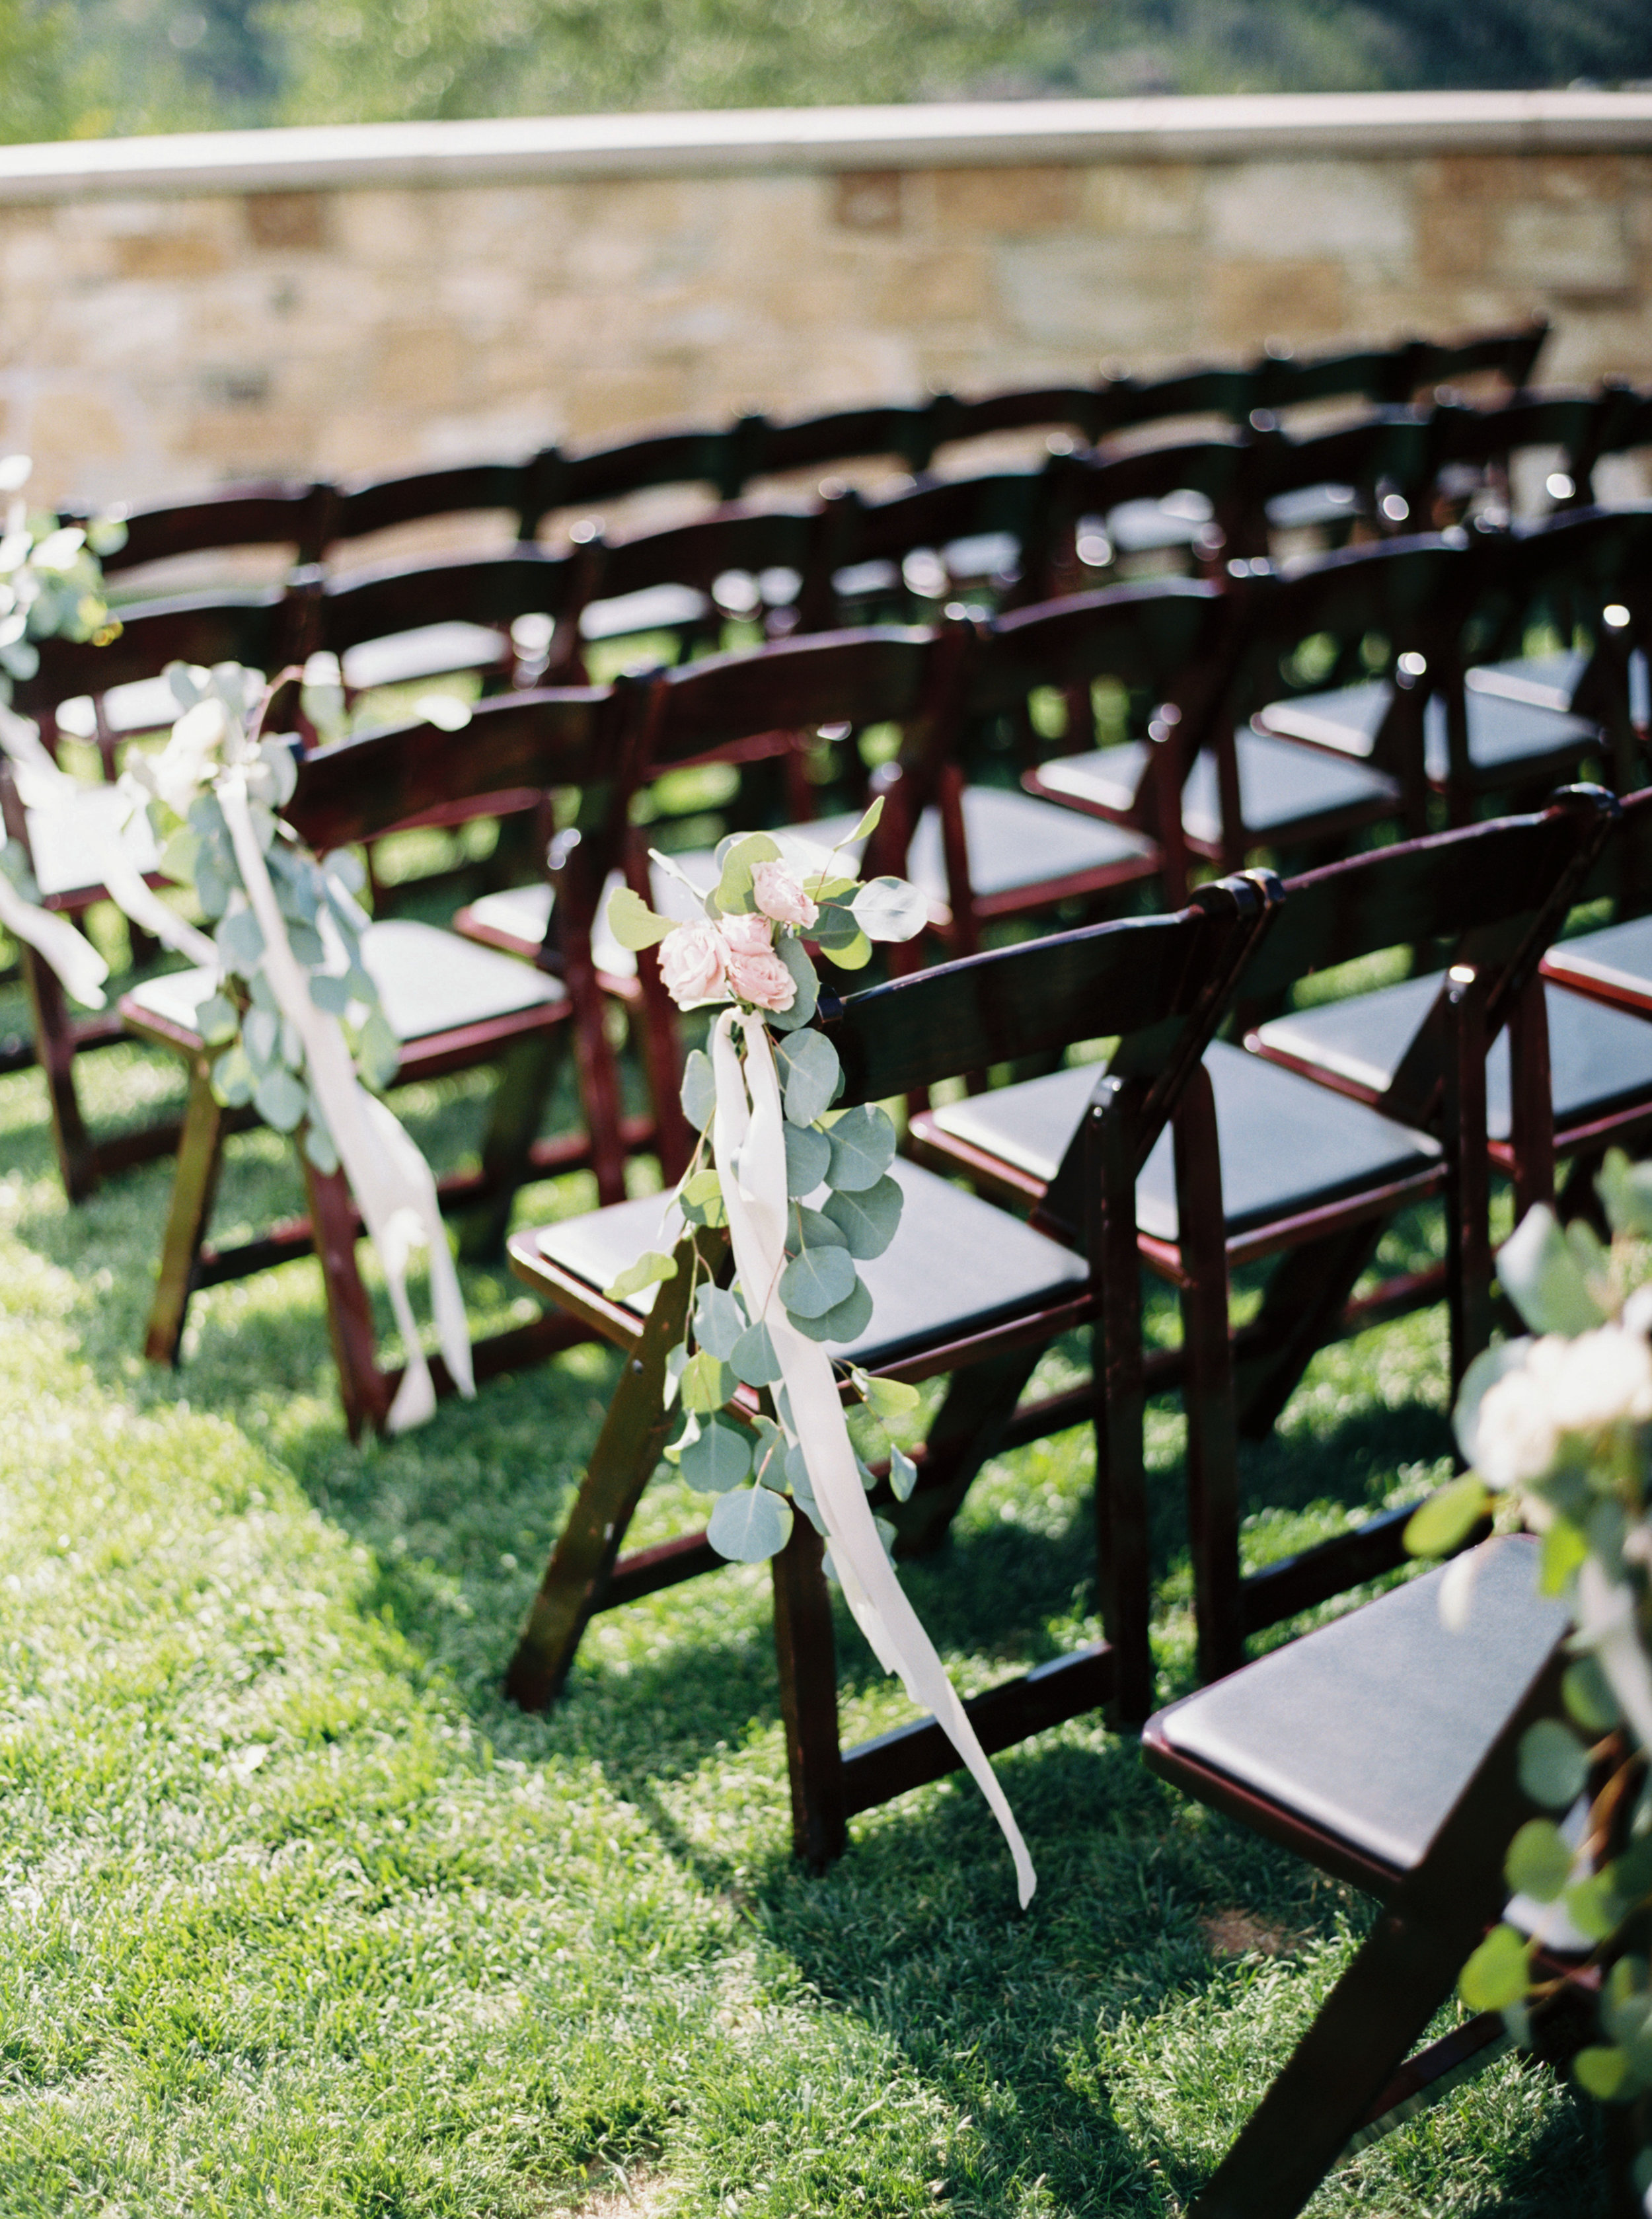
(289, 516)
(1299, 1173)
(1243, 788)
(452, 1005)
(124, 682)
(1383, 1749)
(963, 1289)
(900, 556)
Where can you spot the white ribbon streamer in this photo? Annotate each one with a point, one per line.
(749, 1142)
(70, 954)
(389, 1178)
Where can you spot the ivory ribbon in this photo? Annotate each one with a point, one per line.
(42, 784)
(749, 1143)
(389, 1178)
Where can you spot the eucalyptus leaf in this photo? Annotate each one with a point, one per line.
(648, 1271)
(805, 979)
(1540, 1273)
(1625, 1190)
(379, 1050)
(260, 1030)
(810, 1072)
(318, 1142)
(890, 909)
(811, 1228)
(217, 1019)
(1554, 1764)
(232, 1078)
(733, 890)
(1448, 1517)
(887, 1398)
(1594, 1906)
(1559, 1557)
(307, 945)
(750, 1526)
(903, 1474)
(752, 1356)
(211, 886)
(1540, 1860)
(330, 992)
(280, 1100)
(1499, 1971)
(843, 1324)
(808, 1155)
(768, 1455)
(718, 1459)
(803, 1493)
(868, 824)
(707, 1382)
(633, 923)
(702, 1201)
(719, 1322)
(240, 941)
(862, 1143)
(868, 1220)
(1588, 1697)
(699, 1095)
(851, 955)
(1600, 2071)
(817, 1281)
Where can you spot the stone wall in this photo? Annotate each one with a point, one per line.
(328, 303)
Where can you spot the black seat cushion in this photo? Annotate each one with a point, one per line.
(1505, 733)
(1619, 956)
(956, 1266)
(1286, 1144)
(1600, 1057)
(429, 982)
(1371, 1727)
(1281, 785)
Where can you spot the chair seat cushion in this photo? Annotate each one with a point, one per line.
(1308, 508)
(1281, 785)
(1287, 1145)
(1372, 1726)
(652, 608)
(64, 839)
(518, 916)
(1151, 527)
(431, 651)
(430, 982)
(1600, 1057)
(1618, 956)
(1504, 733)
(956, 1266)
(1550, 681)
(147, 704)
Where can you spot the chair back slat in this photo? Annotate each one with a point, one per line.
(1144, 635)
(371, 505)
(876, 675)
(1142, 976)
(535, 740)
(480, 589)
(261, 628)
(279, 513)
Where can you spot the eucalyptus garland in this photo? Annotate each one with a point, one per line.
(769, 904)
(261, 1056)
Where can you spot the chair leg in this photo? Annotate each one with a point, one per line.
(1468, 1229)
(54, 1048)
(364, 1391)
(628, 1449)
(1305, 1297)
(1208, 1392)
(525, 1079)
(806, 1650)
(1123, 1565)
(194, 1183)
(980, 1403)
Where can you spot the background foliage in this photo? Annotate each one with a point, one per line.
(83, 68)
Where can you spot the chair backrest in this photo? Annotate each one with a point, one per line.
(362, 506)
(361, 787)
(1148, 636)
(1492, 895)
(283, 513)
(1509, 353)
(492, 590)
(262, 628)
(1160, 985)
(738, 538)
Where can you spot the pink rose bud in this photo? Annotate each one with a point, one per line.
(763, 980)
(779, 893)
(748, 936)
(693, 963)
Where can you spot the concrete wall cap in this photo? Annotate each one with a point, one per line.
(945, 135)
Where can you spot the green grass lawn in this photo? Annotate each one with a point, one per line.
(300, 1919)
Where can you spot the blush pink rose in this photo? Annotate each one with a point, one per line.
(779, 893)
(693, 963)
(761, 980)
(749, 935)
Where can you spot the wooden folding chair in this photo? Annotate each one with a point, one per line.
(962, 1289)
(130, 695)
(1383, 1749)
(453, 1007)
(288, 515)
(1242, 787)
(1300, 1173)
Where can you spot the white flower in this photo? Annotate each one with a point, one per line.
(1603, 1378)
(1515, 1437)
(184, 764)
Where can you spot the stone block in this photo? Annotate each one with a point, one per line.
(1313, 211)
(288, 223)
(417, 366)
(169, 254)
(1100, 296)
(1576, 248)
(867, 200)
(1002, 203)
(1299, 302)
(1151, 200)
